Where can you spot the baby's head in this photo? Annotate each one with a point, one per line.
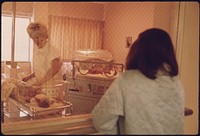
(38, 32)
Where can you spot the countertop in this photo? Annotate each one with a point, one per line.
(76, 124)
(188, 111)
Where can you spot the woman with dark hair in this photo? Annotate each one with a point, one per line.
(148, 98)
(150, 51)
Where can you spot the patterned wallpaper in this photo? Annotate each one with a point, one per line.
(129, 19)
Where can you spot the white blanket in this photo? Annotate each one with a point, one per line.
(12, 86)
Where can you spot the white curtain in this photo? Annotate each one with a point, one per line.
(69, 34)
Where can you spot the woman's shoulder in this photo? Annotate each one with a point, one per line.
(132, 74)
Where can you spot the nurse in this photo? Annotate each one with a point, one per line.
(46, 58)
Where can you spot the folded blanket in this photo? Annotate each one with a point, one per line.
(17, 89)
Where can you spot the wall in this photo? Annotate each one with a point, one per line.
(72, 9)
(22, 8)
(166, 17)
(125, 20)
(128, 19)
(41, 12)
(188, 56)
(77, 9)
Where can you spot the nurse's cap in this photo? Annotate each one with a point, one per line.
(36, 30)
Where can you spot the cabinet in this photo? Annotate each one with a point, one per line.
(84, 94)
(81, 104)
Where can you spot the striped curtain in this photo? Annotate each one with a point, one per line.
(69, 34)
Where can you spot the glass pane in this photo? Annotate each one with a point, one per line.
(22, 41)
(22, 52)
(6, 38)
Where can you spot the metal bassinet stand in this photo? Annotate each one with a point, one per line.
(61, 108)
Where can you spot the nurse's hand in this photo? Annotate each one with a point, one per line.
(26, 78)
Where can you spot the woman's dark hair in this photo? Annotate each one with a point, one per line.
(150, 51)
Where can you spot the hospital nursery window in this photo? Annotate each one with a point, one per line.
(22, 41)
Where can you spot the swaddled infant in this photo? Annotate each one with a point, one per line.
(17, 89)
(24, 92)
